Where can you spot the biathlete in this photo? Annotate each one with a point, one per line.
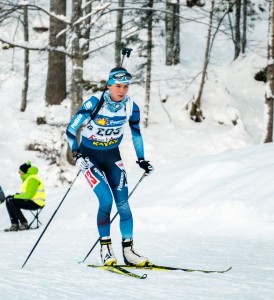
(98, 157)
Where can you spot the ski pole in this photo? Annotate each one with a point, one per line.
(143, 176)
(125, 51)
(51, 218)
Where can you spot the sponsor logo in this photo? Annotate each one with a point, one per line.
(120, 164)
(88, 105)
(104, 144)
(120, 122)
(102, 121)
(89, 127)
(91, 179)
(93, 137)
(107, 122)
(121, 183)
(95, 170)
(107, 257)
(76, 121)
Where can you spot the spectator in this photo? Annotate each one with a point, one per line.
(31, 197)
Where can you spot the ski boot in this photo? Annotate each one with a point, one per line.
(130, 256)
(14, 227)
(107, 255)
(24, 226)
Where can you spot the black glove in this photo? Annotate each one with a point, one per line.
(144, 164)
(10, 197)
(76, 154)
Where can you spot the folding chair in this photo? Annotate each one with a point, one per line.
(35, 213)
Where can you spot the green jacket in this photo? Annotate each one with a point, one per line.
(32, 185)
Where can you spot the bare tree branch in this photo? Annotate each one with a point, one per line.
(26, 46)
(22, 5)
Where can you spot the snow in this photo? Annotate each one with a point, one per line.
(208, 204)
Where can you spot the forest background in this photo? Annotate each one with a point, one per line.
(78, 42)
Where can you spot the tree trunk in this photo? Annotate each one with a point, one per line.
(237, 29)
(77, 60)
(269, 95)
(56, 77)
(149, 63)
(86, 33)
(77, 65)
(26, 61)
(119, 30)
(196, 112)
(169, 34)
(177, 48)
(244, 25)
(172, 33)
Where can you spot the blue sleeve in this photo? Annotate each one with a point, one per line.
(134, 123)
(82, 114)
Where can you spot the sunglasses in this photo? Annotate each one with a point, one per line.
(122, 76)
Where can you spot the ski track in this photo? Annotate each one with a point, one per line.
(52, 273)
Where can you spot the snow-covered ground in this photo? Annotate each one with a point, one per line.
(208, 205)
(210, 212)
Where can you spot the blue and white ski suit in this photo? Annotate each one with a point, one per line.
(99, 142)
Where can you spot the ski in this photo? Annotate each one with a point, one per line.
(165, 268)
(119, 270)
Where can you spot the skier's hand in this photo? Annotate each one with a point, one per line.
(10, 197)
(144, 164)
(80, 161)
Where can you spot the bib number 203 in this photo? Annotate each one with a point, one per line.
(108, 131)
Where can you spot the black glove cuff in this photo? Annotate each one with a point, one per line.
(139, 161)
(75, 153)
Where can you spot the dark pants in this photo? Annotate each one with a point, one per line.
(14, 206)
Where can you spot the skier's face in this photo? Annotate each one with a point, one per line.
(118, 91)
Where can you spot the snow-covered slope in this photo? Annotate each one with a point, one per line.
(209, 212)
